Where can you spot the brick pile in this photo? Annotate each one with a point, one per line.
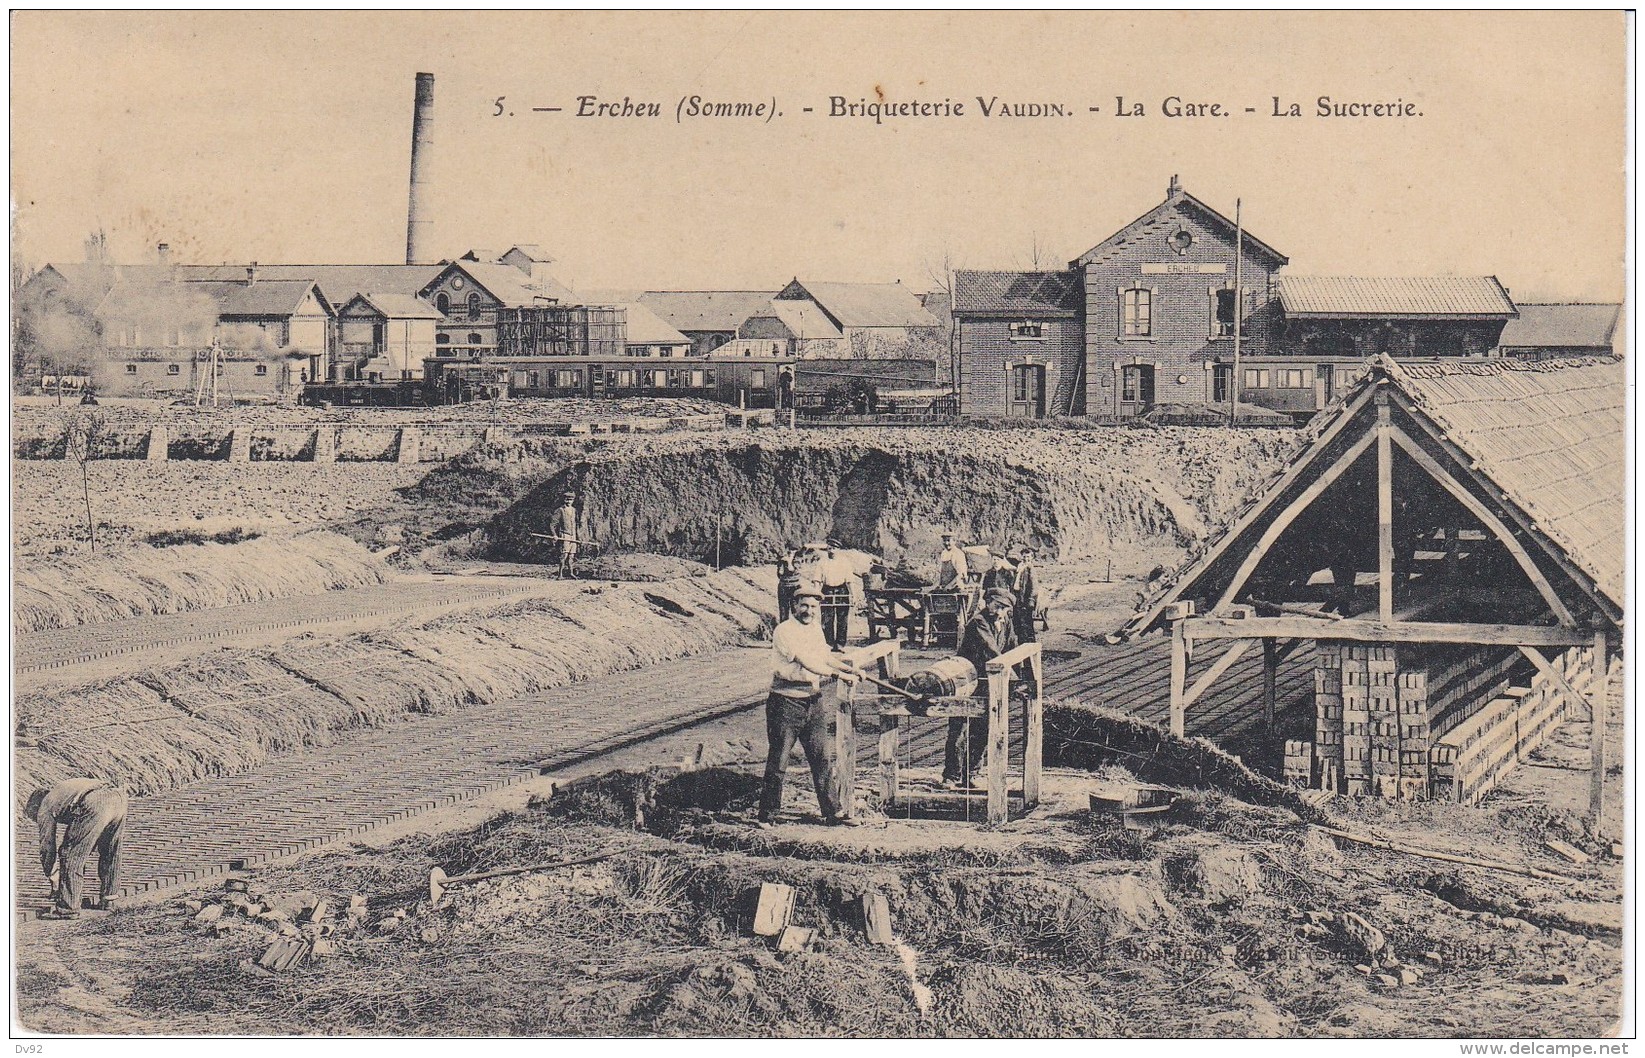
(1418, 721)
(1471, 758)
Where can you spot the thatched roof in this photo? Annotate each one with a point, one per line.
(1539, 442)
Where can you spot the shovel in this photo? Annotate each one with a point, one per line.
(438, 880)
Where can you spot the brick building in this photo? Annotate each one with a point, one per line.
(1024, 339)
(1147, 318)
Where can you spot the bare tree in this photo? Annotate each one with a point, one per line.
(83, 433)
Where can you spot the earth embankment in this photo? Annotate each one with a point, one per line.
(1140, 495)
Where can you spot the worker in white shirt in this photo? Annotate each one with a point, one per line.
(952, 570)
(835, 573)
(800, 661)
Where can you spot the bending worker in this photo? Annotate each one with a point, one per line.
(92, 814)
(800, 662)
(987, 635)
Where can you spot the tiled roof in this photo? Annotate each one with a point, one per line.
(647, 328)
(532, 252)
(1160, 215)
(1018, 293)
(866, 304)
(513, 287)
(1549, 434)
(1590, 326)
(804, 319)
(1552, 435)
(399, 306)
(705, 310)
(1351, 296)
(337, 282)
(266, 297)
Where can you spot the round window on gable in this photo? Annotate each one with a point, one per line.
(1181, 240)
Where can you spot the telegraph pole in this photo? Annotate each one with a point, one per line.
(1239, 311)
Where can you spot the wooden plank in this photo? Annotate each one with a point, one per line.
(1397, 632)
(775, 906)
(845, 751)
(890, 730)
(1270, 669)
(1283, 522)
(938, 707)
(999, 727)
(1034, 742)
(1599, 686)
(1179, 676)
(1492, 523)
(1551, 673)
(1218, 667)
(1385, 512)
(1014, 657)
(876, 918)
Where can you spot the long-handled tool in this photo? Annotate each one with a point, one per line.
(438, 881)
(593, 545)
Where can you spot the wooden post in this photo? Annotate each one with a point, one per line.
(1034, 744)
(1385, 511)
(1599, 688)
(845, 748)
(1179, 678)
(1270, 665)
(889, 727)
(999, 733)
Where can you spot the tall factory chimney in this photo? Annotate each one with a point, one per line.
(422, 124)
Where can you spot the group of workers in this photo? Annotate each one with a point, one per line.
(814, 603)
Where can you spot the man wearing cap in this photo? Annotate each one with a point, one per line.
(1027, 590)
(835, 573)
(987, 635)
(564, 526)
(788, 581)
(92, 814)
(801, 660)
(952, 570)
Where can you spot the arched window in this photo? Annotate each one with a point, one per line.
(442, 303)
(473, 339)
(474, 306)
(442, 339)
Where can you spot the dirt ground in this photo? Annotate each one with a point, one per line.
(1229, 920)
(132, 498)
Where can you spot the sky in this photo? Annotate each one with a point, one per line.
(285, 137)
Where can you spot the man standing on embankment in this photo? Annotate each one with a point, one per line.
(564, 526)
(801, 660)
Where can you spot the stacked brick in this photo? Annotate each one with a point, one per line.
(1473, 757)
(1418, 721)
